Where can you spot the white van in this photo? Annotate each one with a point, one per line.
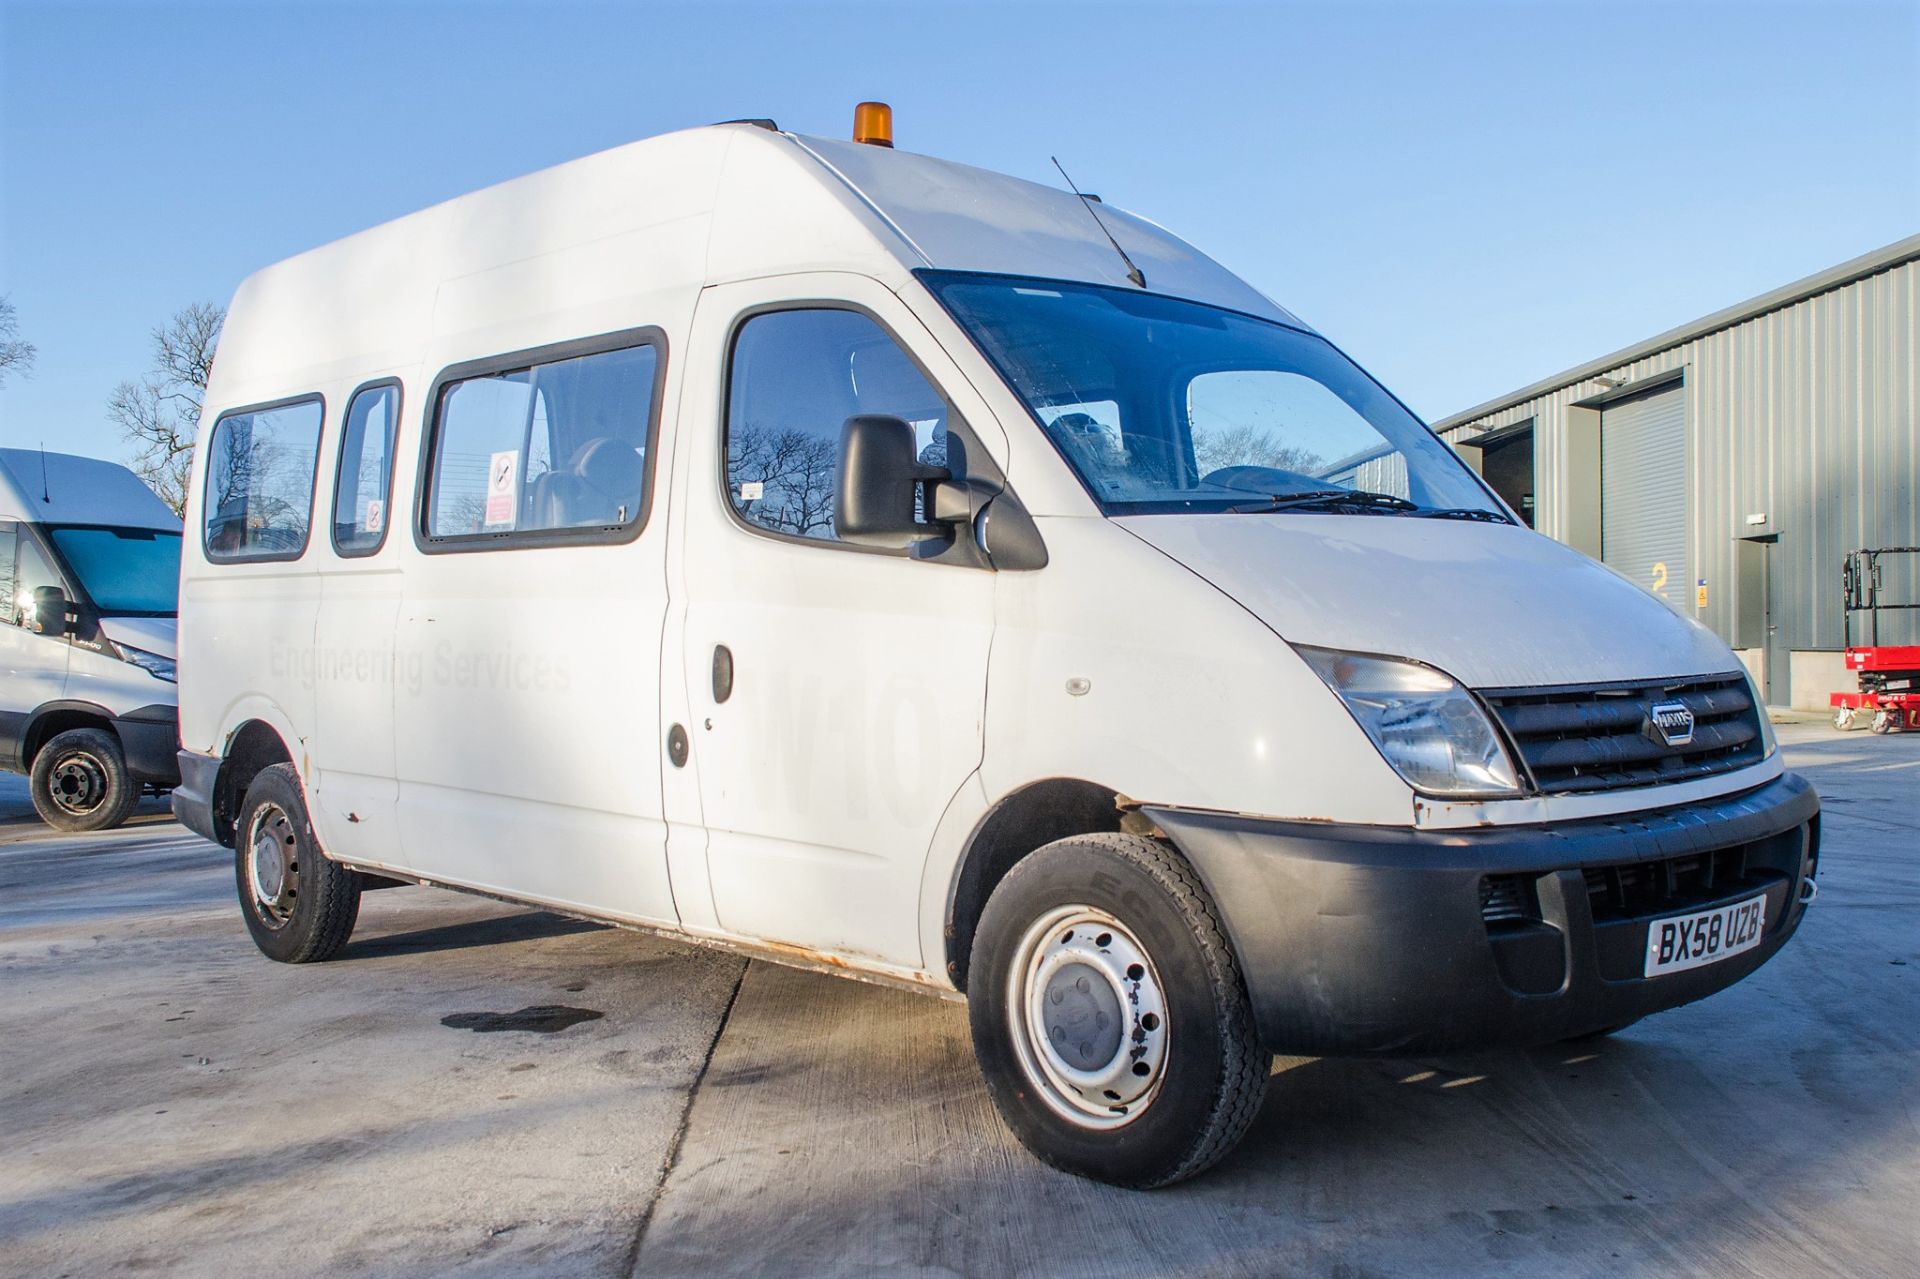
(850, 558)
(89, 572)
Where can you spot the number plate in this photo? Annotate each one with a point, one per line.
(1688, 941)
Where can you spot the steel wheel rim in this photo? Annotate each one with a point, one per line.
(273, 867)
(78, 784)
(1074, 966)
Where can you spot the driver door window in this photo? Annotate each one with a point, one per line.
(34, 572)
(796, 377)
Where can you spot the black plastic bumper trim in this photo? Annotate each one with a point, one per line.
(1365, 940)
(193, 795)
(150, 739)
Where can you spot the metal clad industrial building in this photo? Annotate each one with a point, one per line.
(1801, 442)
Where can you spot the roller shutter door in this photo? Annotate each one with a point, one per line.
(1643, 494)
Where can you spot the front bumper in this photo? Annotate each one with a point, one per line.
(1364, 940)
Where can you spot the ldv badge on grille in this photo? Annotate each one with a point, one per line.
(1670, 723)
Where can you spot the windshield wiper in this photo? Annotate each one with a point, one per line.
(1463, 513)
(1325, 499)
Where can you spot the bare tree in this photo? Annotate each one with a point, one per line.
(160, 412)
(794, 472)
(1249, 445)
(16, 353)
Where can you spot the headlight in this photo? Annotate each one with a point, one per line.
(1428, 727)
(152, 663)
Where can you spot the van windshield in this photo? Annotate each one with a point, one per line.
(1164, 405)
(126, 572)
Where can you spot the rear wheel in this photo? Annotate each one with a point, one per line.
(1843, 718)
(81, 783)
(1883, 721)
(299, 906)
(1109, 1014)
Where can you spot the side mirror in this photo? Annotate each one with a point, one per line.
(878, 477)
(50, 616)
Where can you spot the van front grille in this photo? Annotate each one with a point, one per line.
(1603, 736)
(1648, 888)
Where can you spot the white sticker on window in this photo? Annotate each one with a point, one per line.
(752, 490)
(500, 488)
(376, 515)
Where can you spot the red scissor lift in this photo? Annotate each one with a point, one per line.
(1889, 673)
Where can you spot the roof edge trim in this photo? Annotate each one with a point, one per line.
(1899, 253)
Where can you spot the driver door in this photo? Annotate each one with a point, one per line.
(850, 712)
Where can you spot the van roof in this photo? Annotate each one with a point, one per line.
(61, 488)
(702, 206)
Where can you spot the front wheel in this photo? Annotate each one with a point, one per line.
(81, 783)
(1109, 1014)
(1843, 718)
(299, 906)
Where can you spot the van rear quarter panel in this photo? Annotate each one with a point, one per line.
(246, 640)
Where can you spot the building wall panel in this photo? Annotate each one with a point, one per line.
(1809, 414)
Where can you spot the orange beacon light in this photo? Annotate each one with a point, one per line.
(873, 123)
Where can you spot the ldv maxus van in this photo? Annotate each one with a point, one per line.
(875, 564)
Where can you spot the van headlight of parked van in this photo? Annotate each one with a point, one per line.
(152, 663)
(1427, 726)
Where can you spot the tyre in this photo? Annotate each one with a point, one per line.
(1883, 721)
(80, 781)
(1843, 718)
(1109, 1013)
(299, 906)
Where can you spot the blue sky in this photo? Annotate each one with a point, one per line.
(1465, 196)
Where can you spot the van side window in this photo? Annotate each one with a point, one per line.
(796, 377)
(553, 446)
(259, 494)
(364, 484)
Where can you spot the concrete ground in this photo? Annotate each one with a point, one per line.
(171, 1101)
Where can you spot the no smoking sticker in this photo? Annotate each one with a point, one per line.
(500, 471)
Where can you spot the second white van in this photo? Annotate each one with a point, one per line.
(871, 563)
(89, 575)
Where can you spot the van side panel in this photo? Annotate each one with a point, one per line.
(527, 724)
(355, 674)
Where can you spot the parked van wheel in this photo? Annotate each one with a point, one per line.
(81, 783)
(1109, 1014)
(299, 906)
